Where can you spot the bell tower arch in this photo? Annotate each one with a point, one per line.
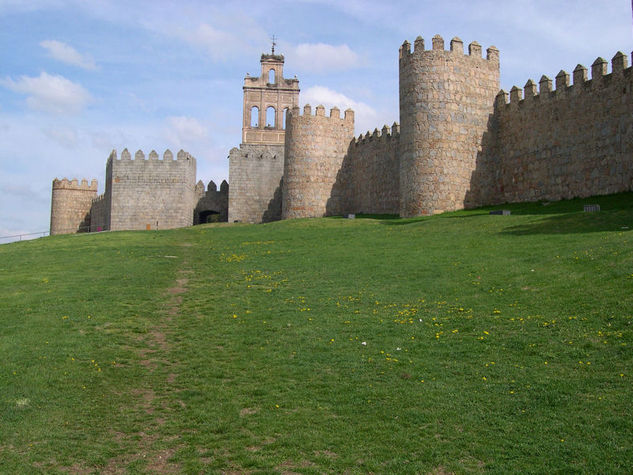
(269, 96)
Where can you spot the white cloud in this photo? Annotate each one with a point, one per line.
(67, 54)
(222, 45)
(50, 93)
(64, 136)
(321, 57)
(365, 117)
(216, 42)
(184, 129)
(23, 191)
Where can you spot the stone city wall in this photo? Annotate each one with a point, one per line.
(212, 204)
(70, 205)
(316, 146)
(255, 173)
(151, 193)
(100, 214)
(370, 174)
(446, 101)
(574, 141)
(460, 144)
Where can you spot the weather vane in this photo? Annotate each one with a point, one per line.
(274, 44)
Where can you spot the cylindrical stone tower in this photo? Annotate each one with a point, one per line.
(70, 205)
(315, 148)
(446, 101)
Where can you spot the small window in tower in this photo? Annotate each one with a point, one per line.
(254, 116)
(271, 76)
(270, 117)
(285, 117)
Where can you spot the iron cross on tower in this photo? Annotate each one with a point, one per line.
(274, 38)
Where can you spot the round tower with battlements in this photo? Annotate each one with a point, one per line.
(446, 102)
(316, 146)
(70, 205)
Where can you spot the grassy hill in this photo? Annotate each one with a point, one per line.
(464, 342)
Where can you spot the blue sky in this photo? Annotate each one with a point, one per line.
(79, 78)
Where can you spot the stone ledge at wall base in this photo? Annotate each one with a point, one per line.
(501, 212)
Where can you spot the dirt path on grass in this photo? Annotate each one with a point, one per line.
(151, 402)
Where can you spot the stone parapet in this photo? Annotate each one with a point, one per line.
(574, 141)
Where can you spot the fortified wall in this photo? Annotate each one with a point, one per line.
(460, 144)
(463, 144)
(423, 166)
(571, 141)
(369, 179)
(140, 193)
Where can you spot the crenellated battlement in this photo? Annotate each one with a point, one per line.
(99, 199)
(581, 83)
(139, 156)
(335, 113)
(456, 48)
(386, 133)
(74, 184)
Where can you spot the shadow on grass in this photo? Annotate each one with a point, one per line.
(579, 222)
(388, 219)
(564, 216)
(394, 219)
(619, 201)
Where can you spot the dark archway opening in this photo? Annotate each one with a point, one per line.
(208, 216)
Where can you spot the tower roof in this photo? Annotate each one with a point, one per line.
(272, 58)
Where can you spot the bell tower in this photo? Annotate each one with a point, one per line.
(267, 100)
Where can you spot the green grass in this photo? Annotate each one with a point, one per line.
(462, 342)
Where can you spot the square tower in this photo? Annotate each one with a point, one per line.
(267, 99)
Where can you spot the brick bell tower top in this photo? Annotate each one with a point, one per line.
(267, 100)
